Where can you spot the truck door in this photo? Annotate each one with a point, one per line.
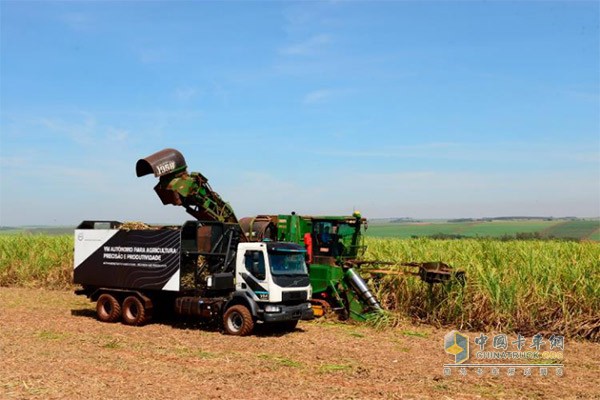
(255, 276)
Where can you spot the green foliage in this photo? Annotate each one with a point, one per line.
(280, 361)
(112, 344)
(573, 229)
(51, 335)
(525, 286)
(328, 368)
(519, 229)
(36, 260)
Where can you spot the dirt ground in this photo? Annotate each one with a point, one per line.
(51, 346)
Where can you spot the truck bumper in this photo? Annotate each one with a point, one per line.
(290, 313)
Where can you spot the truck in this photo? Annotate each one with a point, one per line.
(334, 244)
(203, 268)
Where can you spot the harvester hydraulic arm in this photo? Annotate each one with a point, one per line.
(430, 272)
(178, 187)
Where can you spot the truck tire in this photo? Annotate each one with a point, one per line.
(108, 308)
(238, 321)
(134, 312)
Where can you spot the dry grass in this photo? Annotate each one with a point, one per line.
(54, 348)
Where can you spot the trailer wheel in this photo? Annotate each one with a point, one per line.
(108, 308)
(238, 321)
(134, 312)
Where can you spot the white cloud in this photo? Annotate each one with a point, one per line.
(81, 132)
(318, 96)
(324, 95)
(85, 130)
(488, 152)
(413, 151)
(418, 193)
(14, 162)
(259, 192)
(76, 20)
(151, 55)
(434, 194)
(185, 93)
(220, 92)
(307, 47)
(117, 135)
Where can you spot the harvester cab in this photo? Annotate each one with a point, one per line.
(338, 238)
(329, 240)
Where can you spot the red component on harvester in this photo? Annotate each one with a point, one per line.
(308, 244)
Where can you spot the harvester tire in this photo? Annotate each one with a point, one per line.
(238, 321)
(134, 312)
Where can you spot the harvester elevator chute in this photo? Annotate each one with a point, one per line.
(178, 187)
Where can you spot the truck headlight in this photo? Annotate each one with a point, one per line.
(272, 309)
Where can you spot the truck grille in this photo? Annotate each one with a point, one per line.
(294, 296)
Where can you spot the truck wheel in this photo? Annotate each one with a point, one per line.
(238, 321)
(134, 312)
(108, 308)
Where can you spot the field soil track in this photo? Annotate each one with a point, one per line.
(51, 347)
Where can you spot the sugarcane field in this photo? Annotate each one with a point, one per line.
(299, 200)
(395, 350)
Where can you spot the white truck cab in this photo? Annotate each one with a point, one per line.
(275, 276)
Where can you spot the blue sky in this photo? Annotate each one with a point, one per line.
(415, 109)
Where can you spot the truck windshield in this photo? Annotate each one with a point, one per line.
(285, 263)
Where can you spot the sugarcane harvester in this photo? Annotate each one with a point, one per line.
(335, 250)
(334, 245)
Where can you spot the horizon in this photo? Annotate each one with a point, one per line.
(430, 109)
(408, 220)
